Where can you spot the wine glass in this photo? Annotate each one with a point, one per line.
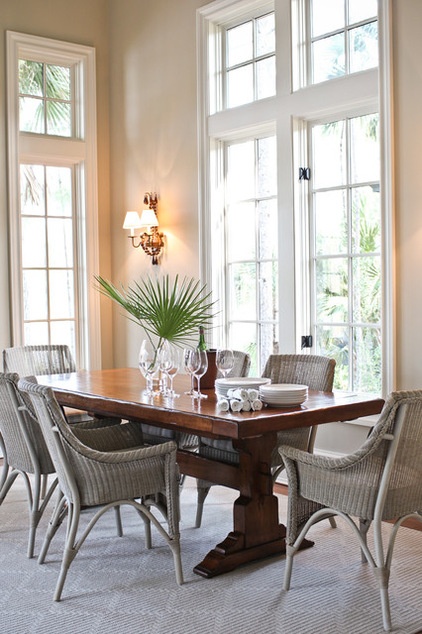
(224, 360)
(148, 362)
(198, 362)
(188, 367)
(169, 364)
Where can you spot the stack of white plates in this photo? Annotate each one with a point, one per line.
(222, 386)
(283, 394)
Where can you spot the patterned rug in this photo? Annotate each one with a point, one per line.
(116, 586)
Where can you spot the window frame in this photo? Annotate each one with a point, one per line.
(78, 151)
(289, 111)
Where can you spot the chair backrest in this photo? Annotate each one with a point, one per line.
(26, 449)
(242, 363)
(38, 360)
(317, 372)
(55, 430)
(396, 441)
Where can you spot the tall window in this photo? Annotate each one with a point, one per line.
(346, 246)
(52, 169)
(251, 260)
(322, 269)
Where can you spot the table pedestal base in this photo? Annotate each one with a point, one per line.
(231, 553)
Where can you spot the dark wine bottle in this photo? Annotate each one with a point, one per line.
(202, 345)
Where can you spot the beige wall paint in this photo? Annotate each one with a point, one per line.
(407, 43)
(153, 141)
(80, 22)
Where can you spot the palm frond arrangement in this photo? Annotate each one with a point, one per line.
(165, 309)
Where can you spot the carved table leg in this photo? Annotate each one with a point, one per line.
(256, 532)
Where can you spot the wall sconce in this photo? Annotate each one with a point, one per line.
(152, 242)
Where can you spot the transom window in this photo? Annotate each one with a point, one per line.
(344, 37)
(45, 98)
(250, 61)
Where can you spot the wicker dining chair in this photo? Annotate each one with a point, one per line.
(39, 360)
(101, 469)
(315, 371)
(381, 480)
(26, 452)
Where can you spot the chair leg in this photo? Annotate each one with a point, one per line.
(118, 521)
(202, 494)
(332, 522)
(5, 467)
(382, 572)
(70, 551)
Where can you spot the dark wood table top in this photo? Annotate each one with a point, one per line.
(121, 392)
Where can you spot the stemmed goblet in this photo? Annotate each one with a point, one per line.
(148, 364)
(224, 360)
(198, 365)
(169, 365)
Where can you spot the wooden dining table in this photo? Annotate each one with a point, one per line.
(257, 532)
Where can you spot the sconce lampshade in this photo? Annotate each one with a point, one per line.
(132, 221)
(149, 218)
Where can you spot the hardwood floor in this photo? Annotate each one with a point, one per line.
(412, 523)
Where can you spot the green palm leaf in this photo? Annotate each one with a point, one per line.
(165, 309)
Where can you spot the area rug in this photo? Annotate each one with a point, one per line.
(116, 586)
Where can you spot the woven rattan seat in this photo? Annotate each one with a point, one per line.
(382, 480)
(101, 469)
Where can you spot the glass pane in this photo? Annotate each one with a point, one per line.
(242, 290)
(63, 332)
(62, 300)
(365, 151)
(268, 291)
(241, 231)
(59, 118)
(59, 191)
(362, 10)
(243, 337)
(367, 359)
(367, 290)
(265, 34)
(265, 77)
(36, 333)
(267, 166)
(329, 148)
(331, 235)
(241, 171)
(35, 295)
(31, 115)
(31, 78)
(32, 190)
(60, 242)
(332, 290)
(240, 86)
(269, 344)
(363, 47)
(326, 16)
(366, 220)
(334, 342)
(33, 243)
(328, 59)
(57, 82)
(268, 229)
(239, 44)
